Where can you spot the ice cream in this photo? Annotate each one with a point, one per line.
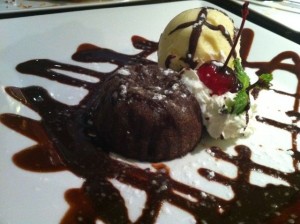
(194, 37)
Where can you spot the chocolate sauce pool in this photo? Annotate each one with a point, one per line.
(64, 142)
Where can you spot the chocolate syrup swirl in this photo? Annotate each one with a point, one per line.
(277, 63)
(64, 143)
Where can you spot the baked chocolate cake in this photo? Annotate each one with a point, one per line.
(146, 113)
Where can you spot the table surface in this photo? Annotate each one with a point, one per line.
(278, 21)
(281, 12)
(281, 22)
(25, 6)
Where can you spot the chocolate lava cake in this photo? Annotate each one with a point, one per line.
(144, 112)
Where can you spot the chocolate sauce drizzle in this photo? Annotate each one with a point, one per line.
(63, 142)
(277, 63)
(197, 26)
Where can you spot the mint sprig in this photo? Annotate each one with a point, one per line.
(241, 101)
(264, 81)
(241, 74)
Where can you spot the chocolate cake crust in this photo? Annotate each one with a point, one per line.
(146, 113)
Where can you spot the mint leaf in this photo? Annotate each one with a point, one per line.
(264, 81)
(266, 77)
(241, 74)
(241, 100)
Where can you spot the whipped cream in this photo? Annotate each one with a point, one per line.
(218, 124)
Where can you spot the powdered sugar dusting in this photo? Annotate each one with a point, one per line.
(175, 86)
(167, 71)
(123, 71)
(158, 96)
(123, 90)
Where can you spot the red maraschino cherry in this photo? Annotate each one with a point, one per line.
(218, 77)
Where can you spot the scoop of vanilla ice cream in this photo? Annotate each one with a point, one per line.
(194, 37)
(218, 124)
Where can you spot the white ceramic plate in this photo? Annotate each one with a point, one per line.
(28, 197)
(281, 12)
(16, 6)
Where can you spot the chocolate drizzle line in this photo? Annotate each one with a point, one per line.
(197, 26)
(63, 142)
(268, 67)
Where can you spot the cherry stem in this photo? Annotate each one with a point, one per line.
(245, 12)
